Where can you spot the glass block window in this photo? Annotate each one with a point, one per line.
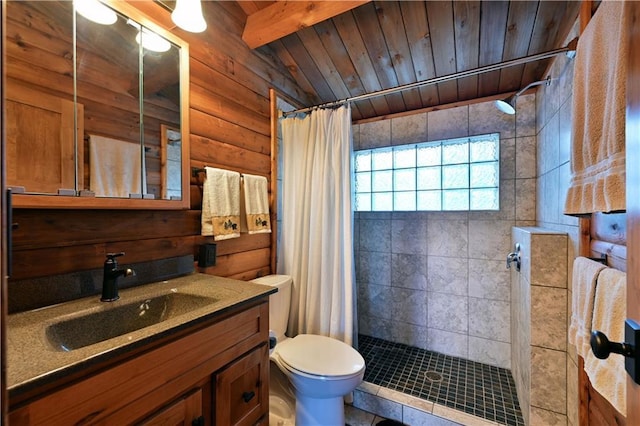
(449, 175)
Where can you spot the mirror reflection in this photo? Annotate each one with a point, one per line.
(39, 96)
(117, 133)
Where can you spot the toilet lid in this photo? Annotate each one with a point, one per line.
(320, 355)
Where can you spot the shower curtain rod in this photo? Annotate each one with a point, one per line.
(571, 47)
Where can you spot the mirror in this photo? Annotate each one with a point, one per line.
(97, 113)
(170, 178)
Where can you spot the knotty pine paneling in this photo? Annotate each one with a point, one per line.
(390, 19)
(369, 30)
(242, 160)
(520, 23)
(229, 114)
(63, 228)
(92, 256)
(240, 262)
(442, 32)
(388, 43)
(492, 30)
(545, 31)
(467, 34)
(414, 16)
(226, 109)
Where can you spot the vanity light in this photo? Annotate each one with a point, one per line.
(188, 16)
(95, 11)
(152, 41)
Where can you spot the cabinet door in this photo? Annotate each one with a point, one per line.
(186, 411)
(40, 144)
(242, 389)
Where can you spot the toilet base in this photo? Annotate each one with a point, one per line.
(282, 399)
(316, 411)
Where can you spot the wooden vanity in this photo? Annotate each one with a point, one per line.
(210, 370)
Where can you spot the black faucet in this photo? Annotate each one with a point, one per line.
(110, 277)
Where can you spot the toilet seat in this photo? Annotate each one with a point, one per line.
(320, 356)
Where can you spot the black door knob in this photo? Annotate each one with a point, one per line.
(602, 347)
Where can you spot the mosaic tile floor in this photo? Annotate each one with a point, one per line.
(474, 388)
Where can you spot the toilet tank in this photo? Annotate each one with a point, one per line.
(279, 303)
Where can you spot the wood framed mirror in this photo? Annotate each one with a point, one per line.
(87, 105)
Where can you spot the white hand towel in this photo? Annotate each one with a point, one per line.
(256, 203)
(585, 273)
(608, 376)
(221, 204)
(115, 167)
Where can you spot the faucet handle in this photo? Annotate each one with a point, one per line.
(111, 259)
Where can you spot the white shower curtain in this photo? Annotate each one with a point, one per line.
(316, 244)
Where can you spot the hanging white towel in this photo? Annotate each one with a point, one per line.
(256, 204)
(608, 376)
(598, 113)
(221, 204)
(115, 167)
(585, 274)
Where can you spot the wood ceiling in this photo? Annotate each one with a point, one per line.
(370, 46)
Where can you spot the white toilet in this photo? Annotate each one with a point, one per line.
(321, 369)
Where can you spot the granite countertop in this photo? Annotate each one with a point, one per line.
(35, 359)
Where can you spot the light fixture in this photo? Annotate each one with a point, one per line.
(95, 11)
(508, 105)
(152, 41)
(149, 39)
(188, 16)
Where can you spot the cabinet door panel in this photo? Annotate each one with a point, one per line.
(40, 141)
(182, 412)
(242, 391)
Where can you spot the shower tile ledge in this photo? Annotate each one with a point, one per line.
(448, 415)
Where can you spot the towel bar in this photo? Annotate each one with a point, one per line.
(196, 170)
(603, 259)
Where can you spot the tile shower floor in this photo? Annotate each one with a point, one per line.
(474, 388)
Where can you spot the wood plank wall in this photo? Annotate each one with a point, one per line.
(230, 128)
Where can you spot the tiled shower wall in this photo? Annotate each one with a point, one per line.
(539, 326)
(437, 280)
(553, 111)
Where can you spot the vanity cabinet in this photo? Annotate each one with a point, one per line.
(201, 375)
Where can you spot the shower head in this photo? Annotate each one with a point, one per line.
(508, 105)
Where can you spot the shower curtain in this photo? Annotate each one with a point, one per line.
(316, 241)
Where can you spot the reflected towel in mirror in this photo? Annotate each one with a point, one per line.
(115, 166)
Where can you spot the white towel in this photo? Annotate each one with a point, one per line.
(608, 376)
(598, 113)
(256, 204)
(115, 167)
(221, 204)
(585, 273)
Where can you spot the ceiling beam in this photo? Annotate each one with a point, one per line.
(249, 7)
(286, 17)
